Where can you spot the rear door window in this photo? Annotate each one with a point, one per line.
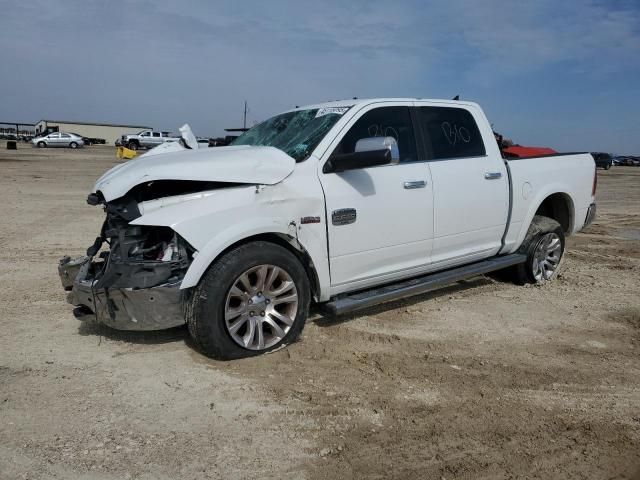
(450, 133)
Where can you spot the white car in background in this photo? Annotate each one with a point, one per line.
(58, 139)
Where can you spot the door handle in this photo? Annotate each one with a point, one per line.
(492, 175)
(415, 184)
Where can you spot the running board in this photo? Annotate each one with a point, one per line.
(416, 286)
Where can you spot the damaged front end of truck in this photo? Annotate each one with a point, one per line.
(133, 276)
(134, 284)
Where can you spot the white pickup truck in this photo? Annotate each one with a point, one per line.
(347, 204)
(146, 139)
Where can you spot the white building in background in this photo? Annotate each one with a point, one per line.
(108, 131)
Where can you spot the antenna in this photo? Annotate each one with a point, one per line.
(244, 122)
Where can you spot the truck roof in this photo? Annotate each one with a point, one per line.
(367, 101)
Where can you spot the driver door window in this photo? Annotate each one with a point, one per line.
(383, 122)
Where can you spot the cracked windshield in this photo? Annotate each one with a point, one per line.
(295, 133)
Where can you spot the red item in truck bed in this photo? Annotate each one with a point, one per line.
(518, 151)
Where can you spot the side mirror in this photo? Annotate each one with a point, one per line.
(369, 152)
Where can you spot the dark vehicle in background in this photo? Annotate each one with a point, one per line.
(91, 140)
(603, 160)
(86, 140)
(626, 161)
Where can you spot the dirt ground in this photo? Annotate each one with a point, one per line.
(481, 380)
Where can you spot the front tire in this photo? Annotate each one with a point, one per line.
(133, 146)
(544, 246)
(252, 300)
(73, 145)
(41, 145)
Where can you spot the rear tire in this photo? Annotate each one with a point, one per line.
(236, 310)
(607, 166)
(544, 247)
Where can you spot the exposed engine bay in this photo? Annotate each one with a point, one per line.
(139, 256)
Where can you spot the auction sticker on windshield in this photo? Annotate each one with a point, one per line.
(329, 110)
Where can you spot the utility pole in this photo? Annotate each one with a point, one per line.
(244, 123)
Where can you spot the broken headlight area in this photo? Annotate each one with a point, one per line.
(142, 257)
(135, 283)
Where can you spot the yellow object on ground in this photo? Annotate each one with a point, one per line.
(124, 152)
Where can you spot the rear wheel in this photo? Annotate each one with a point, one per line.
(544, 247)
(607, 166)
(252, 300)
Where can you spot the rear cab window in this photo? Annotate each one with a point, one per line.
(450, 132)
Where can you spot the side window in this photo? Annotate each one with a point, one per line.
(145, 134)
(383, 122)
(156, 134)
(64, 135)
(450, 133)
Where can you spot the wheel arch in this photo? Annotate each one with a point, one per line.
(554, 202)
(558, 206)
(278, 238)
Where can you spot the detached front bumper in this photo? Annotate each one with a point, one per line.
(153, 308)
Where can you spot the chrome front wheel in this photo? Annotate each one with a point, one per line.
(261, 307)
(546, 256)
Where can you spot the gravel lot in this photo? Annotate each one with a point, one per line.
(481, 380)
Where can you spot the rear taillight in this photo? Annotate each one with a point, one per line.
(595, 182)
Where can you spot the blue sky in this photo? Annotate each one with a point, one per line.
(559, 74)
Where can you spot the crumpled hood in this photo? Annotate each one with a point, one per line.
(235, 164)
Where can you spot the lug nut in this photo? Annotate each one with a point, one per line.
(250, 301)
(262, 314)
(251, 314)
(267, 301)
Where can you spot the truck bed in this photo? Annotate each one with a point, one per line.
(533, 179)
